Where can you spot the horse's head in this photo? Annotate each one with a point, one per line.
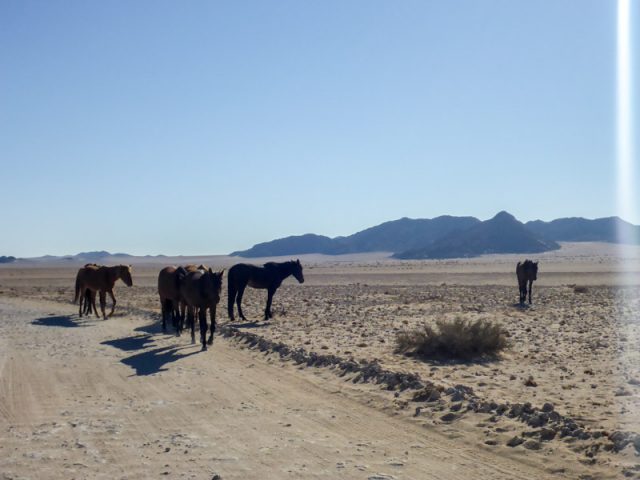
(296, 271)
(213, 282)
(125, 275)
(534, 270)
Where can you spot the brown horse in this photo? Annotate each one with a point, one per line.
(89, 296)
(169, 280)
(199, 291)
(101, 280)
(268, 277)
(526, 272)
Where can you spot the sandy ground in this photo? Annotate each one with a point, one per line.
(86, 398)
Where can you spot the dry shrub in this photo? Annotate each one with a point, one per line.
(457, 339)
(580, 289)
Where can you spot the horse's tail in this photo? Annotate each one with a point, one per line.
(232, 291)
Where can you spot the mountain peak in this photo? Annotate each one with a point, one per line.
(504, 216)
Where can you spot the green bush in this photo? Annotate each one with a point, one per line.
(457, 339)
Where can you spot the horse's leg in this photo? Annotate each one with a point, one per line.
(103, 303)
(231, 298)
(81, 300)
(89, 301)
(212, 314)
(163, 313)
(239, 302)
(530, 285)
(180, 312)
(175, 317)
(113, 299)
(267, 311)
(202, 316)
(191, 322)
(520, 293)
(92, 303)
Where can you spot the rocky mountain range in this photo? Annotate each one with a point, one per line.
(453, 237)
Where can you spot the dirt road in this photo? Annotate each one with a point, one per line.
(116, 399)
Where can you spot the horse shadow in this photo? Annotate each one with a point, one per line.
(154, 361)
(249, 324)
(521, 306)
(128, 344)
(64, 321)
(151, 329)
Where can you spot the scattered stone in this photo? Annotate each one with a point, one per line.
(515, 441)
(530, 382)
(448, 417)
(531, 444)
(547, 434)
(547, 407)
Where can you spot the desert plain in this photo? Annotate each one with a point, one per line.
(320, 391)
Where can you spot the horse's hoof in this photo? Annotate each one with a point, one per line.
(204, 348)
(210, 341)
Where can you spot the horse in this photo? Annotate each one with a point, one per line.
(89, 296)
(201, 290)
(102, 280)
(526, 272)
(169, 280)
(268, 277)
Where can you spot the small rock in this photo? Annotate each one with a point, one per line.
(515, 441)
(547, 434)
(547, 407)
(531, 444)
(448, 417)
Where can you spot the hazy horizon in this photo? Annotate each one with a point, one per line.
(165, 128)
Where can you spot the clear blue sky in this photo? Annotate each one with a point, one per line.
(203, 127)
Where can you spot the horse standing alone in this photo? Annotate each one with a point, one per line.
(101, 280)
(526, 272)
(268, 277)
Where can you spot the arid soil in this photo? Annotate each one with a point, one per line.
(88, 398)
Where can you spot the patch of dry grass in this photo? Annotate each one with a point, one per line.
(457, 339)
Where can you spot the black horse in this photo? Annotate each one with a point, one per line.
(269, 277)
(527, 272)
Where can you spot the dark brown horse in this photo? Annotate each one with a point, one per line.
(268, 277)
(201, 291)
(101, 280)
(526, 272)
(169, 280)
(89, 296)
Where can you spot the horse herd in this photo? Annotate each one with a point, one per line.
(187, 292)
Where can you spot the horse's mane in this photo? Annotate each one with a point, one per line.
(278, 264)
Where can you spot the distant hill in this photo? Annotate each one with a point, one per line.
(501, 234)
(578, 229)
(296, 245)
(393, 236)
(9, 259)
(402, 234)
(450, 237)
(100, 256)
(96, 256)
